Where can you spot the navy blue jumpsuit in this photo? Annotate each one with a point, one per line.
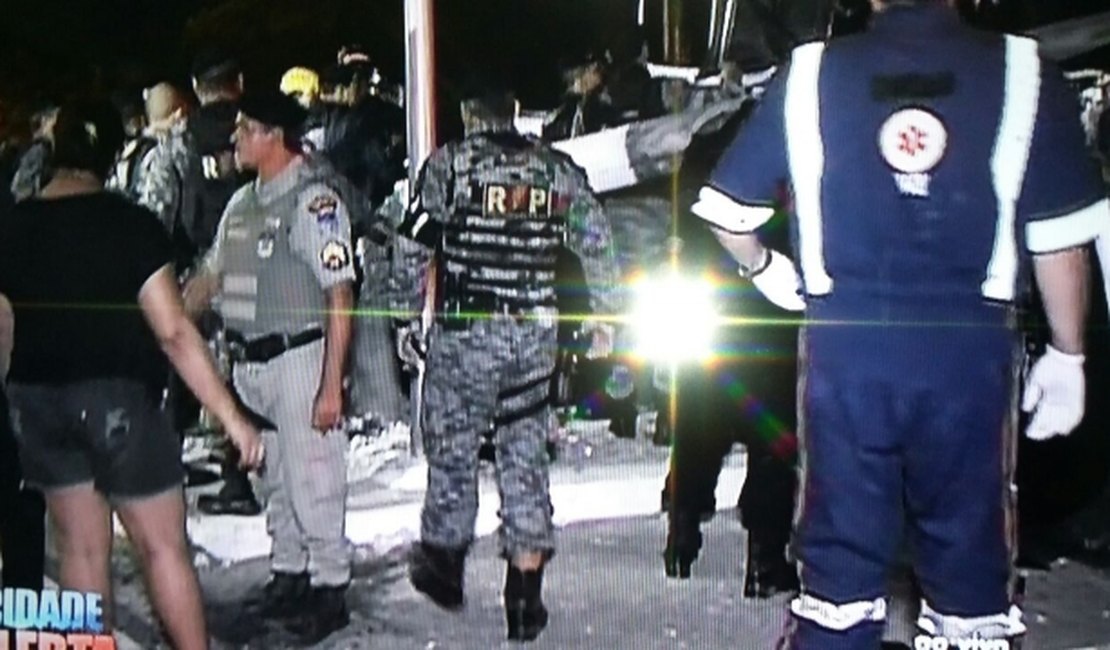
(927, 161)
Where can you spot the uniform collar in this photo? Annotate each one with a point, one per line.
(916, 17)
(278, 185)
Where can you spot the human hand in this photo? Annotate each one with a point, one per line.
(248, 441)
(327, 410)
(601, 341)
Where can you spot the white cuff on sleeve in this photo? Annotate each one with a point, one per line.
(722, 211)
(1068, 230)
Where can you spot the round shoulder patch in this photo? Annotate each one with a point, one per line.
(913, 141)
(335, 255)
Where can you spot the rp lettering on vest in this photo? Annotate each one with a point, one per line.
(507, 200)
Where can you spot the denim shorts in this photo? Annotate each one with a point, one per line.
(110, 432)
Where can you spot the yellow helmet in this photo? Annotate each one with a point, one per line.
(303, 81)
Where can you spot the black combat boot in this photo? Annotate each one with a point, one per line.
(326, 612)
(766, 571)
(236, 497)
(683, 544)
(284, 595)
(437, 573)
(525, 615)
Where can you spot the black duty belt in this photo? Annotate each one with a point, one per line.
(264, 348)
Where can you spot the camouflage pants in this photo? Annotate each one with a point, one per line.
(497, 371)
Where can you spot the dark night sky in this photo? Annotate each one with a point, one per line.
(56, 46)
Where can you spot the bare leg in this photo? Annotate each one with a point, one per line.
(82, 523)
(156, 526)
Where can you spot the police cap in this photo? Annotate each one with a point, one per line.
(274, 109)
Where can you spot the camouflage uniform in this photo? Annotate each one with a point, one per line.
(162, 177)
(126, 175)
(495, 208)
(279, 247)
(33, 172)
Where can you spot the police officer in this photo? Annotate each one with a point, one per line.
(282, 264)
(34, 170)
(362, 136)
(137, 145)
(218, 84)
(494, 209)
(932, 167)
(163, 172)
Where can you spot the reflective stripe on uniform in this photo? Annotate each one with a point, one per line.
(806, 155)
(244, 310)
(242, 284)
(1009, 160)
(832, 616)
(1068, 230)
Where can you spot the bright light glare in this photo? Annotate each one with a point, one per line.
(674, 318)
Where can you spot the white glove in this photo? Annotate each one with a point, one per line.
(1055, 389)
(778, 281)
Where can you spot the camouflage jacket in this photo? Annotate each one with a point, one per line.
(163, 174)
(440, 194)
(33, 172)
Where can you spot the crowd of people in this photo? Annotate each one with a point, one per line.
(155, 198)
(925, 196)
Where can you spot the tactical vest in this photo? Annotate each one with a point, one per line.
(217, 178)
(266, 287)
(499, 248)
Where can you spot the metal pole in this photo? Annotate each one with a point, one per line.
(419, 84)
(711, 44)
(421, 140)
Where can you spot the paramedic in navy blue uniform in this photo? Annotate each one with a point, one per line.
(932, 168)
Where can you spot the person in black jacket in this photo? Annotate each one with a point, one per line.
(745, 396)
(22, 510)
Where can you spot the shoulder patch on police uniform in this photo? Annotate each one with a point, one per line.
(321, 203)
(323, 207)
(335, 255)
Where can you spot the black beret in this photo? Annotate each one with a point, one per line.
(273, 108)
